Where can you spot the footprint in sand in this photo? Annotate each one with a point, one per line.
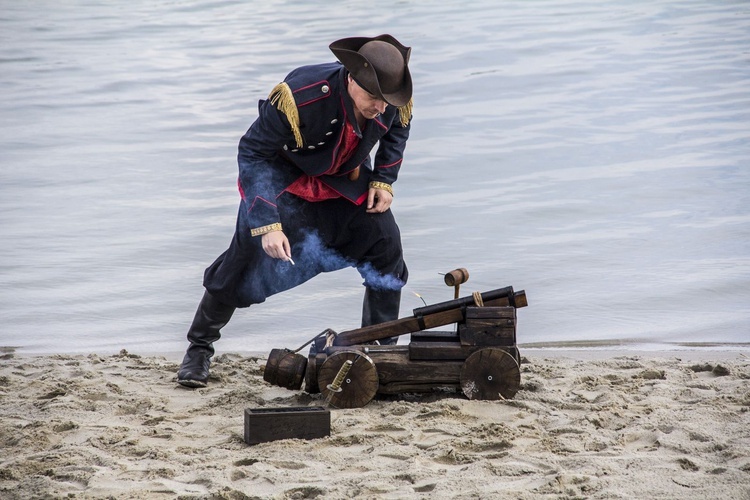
(430, 438)
(640, 440)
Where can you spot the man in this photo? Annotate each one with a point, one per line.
(312, 200)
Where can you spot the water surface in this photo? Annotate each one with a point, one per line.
(592, 153)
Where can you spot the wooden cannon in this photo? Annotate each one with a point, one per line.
(480, 357)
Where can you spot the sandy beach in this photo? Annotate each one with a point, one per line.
(584, 425)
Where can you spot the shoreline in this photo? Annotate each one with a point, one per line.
(582, 349)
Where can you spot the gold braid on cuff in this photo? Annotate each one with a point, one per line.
(381, 185)
(257, 231)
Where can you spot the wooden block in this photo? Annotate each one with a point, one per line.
(270, 424)
(434, 336)
(397, 367)
(489, 326)
(440, 350)
(487, 336)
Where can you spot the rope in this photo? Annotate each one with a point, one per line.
(478, 299)
(330, 335)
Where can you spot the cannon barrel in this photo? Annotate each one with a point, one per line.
(430, 316)
(500, 293)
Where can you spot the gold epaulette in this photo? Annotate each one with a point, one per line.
(404, 112)
(281, 96)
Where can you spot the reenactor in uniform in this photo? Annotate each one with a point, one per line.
(312, 198)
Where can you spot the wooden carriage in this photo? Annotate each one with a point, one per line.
(480, 356)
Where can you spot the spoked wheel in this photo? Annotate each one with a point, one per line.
(490, 373)
(358, 387)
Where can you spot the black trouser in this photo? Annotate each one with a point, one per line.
(324, 236)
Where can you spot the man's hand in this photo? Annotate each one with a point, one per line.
(378, 201)
(276, 245)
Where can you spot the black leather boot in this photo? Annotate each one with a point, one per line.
(210, 317)
(380, 306)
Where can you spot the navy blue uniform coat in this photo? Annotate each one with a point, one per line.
(325, 235)
(270, 159)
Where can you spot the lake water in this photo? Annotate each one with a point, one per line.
(592, 153)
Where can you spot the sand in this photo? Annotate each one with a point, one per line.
(613, 425)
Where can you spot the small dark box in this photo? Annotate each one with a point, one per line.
(271, 424)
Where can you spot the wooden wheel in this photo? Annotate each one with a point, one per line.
(311, 375)
(490, 373)
(359, 386)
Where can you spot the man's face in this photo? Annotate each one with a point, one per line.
(364, 102)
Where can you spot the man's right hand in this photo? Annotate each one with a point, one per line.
(276, 245)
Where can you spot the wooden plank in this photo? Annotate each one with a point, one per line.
(367, 349)
(498, 313)
(487, 336)
(396, 327)
(434, 336)
(439, 350)
(402, 387)
(490, 323)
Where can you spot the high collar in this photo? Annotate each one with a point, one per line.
(348, 103)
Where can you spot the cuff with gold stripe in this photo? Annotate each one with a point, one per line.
(258, 231)
(381, 185)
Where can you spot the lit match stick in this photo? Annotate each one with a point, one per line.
(415, 293)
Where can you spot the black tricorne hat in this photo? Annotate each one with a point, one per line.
(379, 64)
